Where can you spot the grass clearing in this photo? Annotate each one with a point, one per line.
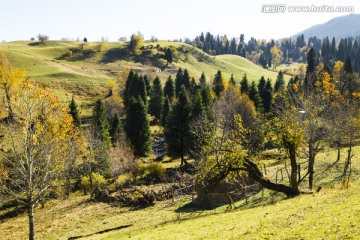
(333, 213)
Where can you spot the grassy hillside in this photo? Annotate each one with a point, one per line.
(332, 213)
(86, 72)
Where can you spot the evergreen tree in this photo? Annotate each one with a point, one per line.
(261, 85)
(267, 96)
(101, 134)
(255, 96)
(128, 86)
(135, 86)
(137, 127)
(310, 78)
(116, 129)
(101, 125)
(179, 81)
(140, 88)
(156, 99)
(193, 86)
(74, 112)
(311, 59)
(262, 61)
(333, 47)
(169, 89)
(202, 80)
(206, 96)
(165, 111)
(244, 85)
(348, 66)
(218, 83)
(186, 79)
(279, 83)
(177, 129)
(232, 80)
(147, 84)
(169, 55)
(198, 108)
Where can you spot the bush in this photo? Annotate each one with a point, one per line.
(154, 173)
(123, 179)
(42, 37)
(68, 54)
(97, 179)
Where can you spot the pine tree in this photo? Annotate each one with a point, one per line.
(206, 96)
(116, 129)
(165, 111)
(202, 80)
(169, 89)
(128, 87)
(179, 81)
(255, 96)
(147, 84)
(101, 133)
(193, 87)
(267, 96)
(310, 62)
(186, 79)
(232, 80)
(198, 108)
(310, 78)
(101, 125)
(348, 66)
(177, 130)
(244, 85)
(74, 112)
(169, 55)
(137, 127)
(156, 99)
(140, 88)
(218, 83)
(135, 86)
(279, 83)
(262, 61)
(261, 85)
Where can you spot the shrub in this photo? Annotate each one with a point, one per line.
(68, 54)
(42, 37)
(154, 173)
(123, 179)
(97, 179)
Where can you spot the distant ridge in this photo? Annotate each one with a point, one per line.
(339, 27)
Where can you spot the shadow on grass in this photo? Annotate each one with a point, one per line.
(101, 232)
(34, 44)
(115, 54)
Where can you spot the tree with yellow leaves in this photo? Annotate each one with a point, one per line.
(276, 53)
(39, 137)
(9, 81)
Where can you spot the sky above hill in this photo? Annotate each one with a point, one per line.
(164, 19)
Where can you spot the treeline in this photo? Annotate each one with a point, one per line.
(287, 50)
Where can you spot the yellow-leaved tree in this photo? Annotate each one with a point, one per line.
(40, 135)
(9, 81)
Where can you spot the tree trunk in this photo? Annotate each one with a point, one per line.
(293, 164)
(208, 184)
(31, 221)
(311, 165)
(338, 153)
(255, 174)
(9, 104)
(91, 186)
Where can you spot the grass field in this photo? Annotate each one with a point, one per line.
(332, 213)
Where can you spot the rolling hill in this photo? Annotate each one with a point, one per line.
(85, 73)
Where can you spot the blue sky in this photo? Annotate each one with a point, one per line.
(165, 19)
